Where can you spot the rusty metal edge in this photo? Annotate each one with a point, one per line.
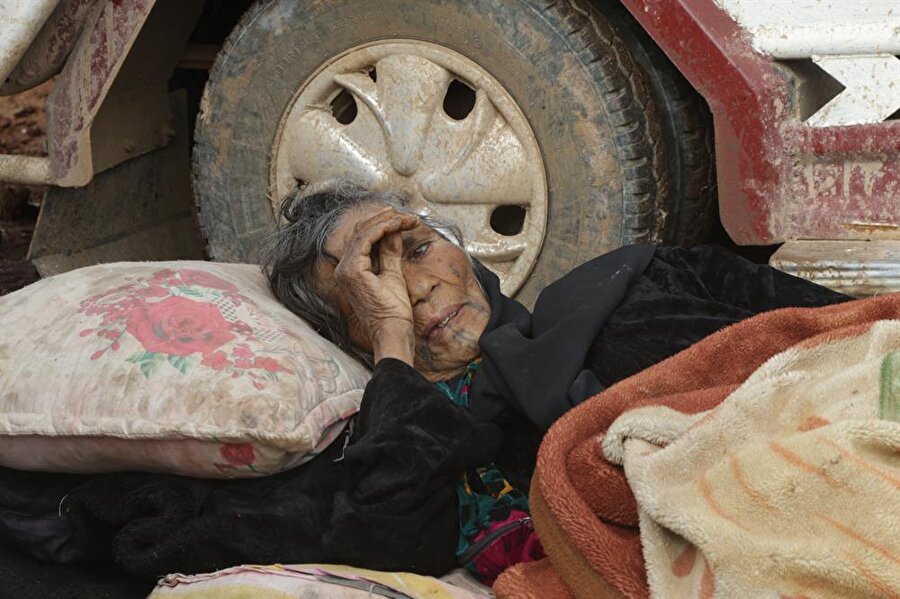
(761, 148)
(83, 84)
(745, 93)
(49, 50)
(856, 268)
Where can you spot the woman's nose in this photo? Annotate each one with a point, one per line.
(419, 283)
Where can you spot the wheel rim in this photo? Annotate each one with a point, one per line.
(425, 120)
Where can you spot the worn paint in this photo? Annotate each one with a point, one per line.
(857, 268)
(746, 95)
(836, 176)
(48, 51)
(20, 22)
(402, 139)
(873, 229)
(855, 42)
(804, 28)
(871, 89)
(72, 105)
(778, 178)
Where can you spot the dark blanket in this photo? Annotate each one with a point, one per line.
(614, 316)
(23, 577)
(535, 362)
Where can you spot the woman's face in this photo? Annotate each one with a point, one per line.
(450, 310)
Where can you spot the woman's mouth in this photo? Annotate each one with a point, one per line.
(437, 324)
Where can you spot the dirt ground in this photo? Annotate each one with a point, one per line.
(22, 131)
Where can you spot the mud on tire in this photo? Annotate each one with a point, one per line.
(589, 104)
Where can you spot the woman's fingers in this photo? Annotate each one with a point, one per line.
(390, 256)
(377, 291)
(395, 221)
(371, 231)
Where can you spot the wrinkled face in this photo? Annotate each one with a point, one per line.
(450, 310)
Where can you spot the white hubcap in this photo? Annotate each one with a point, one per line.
(424, 120)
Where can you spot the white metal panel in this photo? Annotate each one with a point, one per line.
(803, 28)
(872, 90)
(20, 22)
(855, 41)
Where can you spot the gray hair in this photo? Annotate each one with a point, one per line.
(290, 257)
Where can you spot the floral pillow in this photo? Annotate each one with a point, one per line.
(191, 368)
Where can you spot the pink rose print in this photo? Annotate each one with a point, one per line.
(184, 318)
(238, 454)
(179, 326)
(205, 279)
(217, 361)
(242, 350)
(270, 365)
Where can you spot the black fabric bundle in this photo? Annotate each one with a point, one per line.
(535, 362)
(614, 316)
(685, 295)
(387, 500)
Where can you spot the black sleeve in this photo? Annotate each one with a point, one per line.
(389, 504)
(397, 507)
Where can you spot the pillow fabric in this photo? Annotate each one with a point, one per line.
(323, 581)
(190, 368)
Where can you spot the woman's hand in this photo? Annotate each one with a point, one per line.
(378, 291)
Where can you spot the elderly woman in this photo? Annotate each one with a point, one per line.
(433, 471)
(465, 380)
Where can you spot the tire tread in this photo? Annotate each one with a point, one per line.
(632, 113)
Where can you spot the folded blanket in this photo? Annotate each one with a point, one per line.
(789, 487)
(583, 508)
(310, 580)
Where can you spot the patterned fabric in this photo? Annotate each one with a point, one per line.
(190, 368)
(494, 518)
(323, 581)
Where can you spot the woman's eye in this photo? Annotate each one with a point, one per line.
(420, 250)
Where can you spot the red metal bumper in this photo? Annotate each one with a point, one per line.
(778, 178)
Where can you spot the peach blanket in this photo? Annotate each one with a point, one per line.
(791, 486)
(593, 527)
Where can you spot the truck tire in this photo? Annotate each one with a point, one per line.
(687, 129)
(549, 83)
